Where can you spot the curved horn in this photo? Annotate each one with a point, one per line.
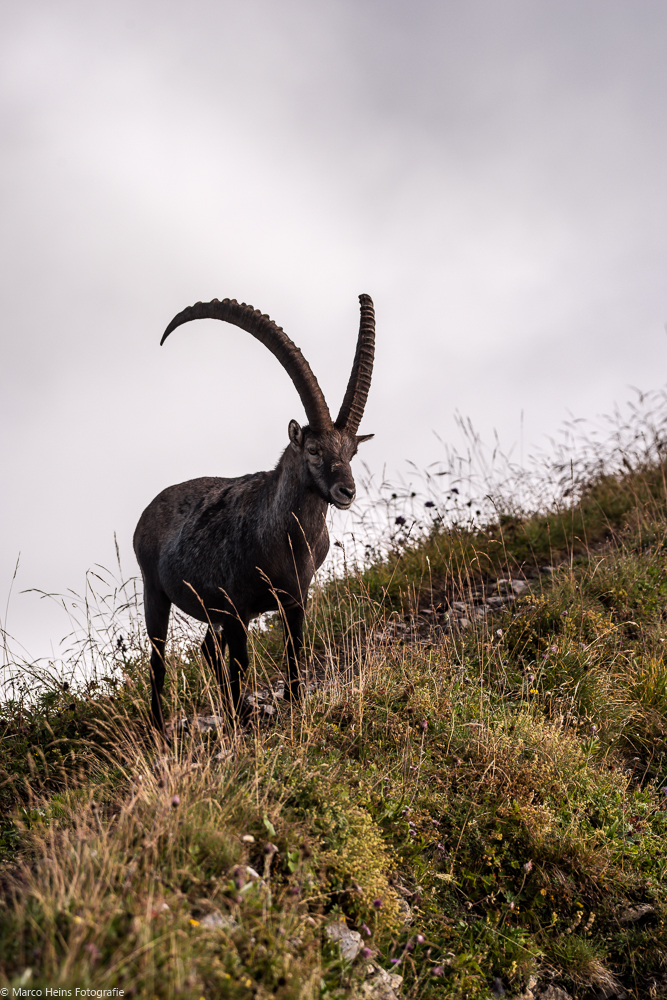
(356, 393)
(272, 336)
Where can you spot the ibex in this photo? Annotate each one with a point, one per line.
(227, 550)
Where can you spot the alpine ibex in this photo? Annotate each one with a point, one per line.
(226, 550)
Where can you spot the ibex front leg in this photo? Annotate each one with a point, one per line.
(293, 626)
(237, 640)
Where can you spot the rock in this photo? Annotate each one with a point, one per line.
(512, 586)
(636, 913)
(463, 623)
(207, 723)
(547, 569)
(553, 993)
(528, 993)
(218, 921)
(404, 912)
(608, 992)
(349, 942)
(380, 984)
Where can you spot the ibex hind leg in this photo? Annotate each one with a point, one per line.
(293, 628)
(157, 606)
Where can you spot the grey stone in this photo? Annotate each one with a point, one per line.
(404, 912)
(349, 942)
(528, 993)
(636, 913)
(218, 921)
(553, 993)
(380, 984)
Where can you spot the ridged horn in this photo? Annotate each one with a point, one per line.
(356, 393)
(272, 336)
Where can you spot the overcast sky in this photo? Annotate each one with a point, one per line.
(492, 173)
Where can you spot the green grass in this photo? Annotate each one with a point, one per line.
(479, 804)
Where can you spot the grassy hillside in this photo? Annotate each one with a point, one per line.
(476, 784)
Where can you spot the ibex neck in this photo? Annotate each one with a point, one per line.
(293, 495)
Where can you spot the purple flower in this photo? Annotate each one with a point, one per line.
(423, 725)
(400, 520)
(528, 867)
(454, 490)
(366, 929)
(419, 939)
(438, 970)
(377, 903)
(429, 503)
(365, 952)
(395, 961)
(175, 802)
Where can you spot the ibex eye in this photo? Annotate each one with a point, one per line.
(312, 451)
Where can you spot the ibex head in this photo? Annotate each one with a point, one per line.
(326, 447)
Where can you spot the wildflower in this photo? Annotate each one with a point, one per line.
(248, 838)
(400, 520)
(419, 939)
(93, 951)
(194, 923)
(365, 952)
(594, 728)
(377, 903)
(554, 649)
(423, 725)
(366, 929)
(528, 867)
(511, 906)
(175, 802)
(395, 961)
(438, 969)
(499, 632)
(531, 677)
(454, 490)
(270, 849)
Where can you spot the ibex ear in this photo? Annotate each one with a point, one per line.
(364, 437)
(295, 434)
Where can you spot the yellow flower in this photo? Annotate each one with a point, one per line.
(195, 923)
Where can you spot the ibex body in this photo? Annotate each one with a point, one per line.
(227, 550)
